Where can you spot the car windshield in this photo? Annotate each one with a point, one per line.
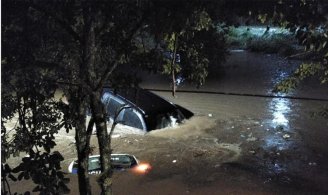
(118, 162)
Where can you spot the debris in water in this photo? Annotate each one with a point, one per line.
(248, 128)
(252, 152)
(232, 127)
(128, 141)
(116, 136)
(251, 139)
(174, 161)
(210, 115)
(199, 153)
(267, 181)
(286, 136)
(312, 163)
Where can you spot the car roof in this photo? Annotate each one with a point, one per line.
(144, 100)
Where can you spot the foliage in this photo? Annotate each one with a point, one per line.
(276, 43)
(79, 46)
(183, 28)
(29, 122)
(194, 47)
(304, 71)
(238, 37)
(308, 21)
(265, 41)
(30, 116)
(207, 49)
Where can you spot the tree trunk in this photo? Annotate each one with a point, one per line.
(104, 141)
(85, 76)
(173, 83)
(97, 110)
(174, 86)
(82, 148)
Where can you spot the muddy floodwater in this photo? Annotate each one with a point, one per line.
(242, 139)
(282, 143)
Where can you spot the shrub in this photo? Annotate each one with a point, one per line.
(257, 39)
(281, 43)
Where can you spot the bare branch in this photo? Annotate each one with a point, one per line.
(60, 21)
(109, 70)
(115, 122)
(134, 30)
(89, 131)
(90, 127)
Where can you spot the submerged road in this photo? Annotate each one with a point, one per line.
(287, 141)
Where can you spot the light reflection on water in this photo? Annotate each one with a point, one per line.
(276, 142)
(280, 108)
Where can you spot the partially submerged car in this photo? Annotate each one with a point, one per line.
(118, 162)
(142, 109)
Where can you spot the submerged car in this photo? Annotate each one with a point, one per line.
(118, 162)
(142, 109)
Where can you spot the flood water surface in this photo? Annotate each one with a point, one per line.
(243, 139)
(282, 144)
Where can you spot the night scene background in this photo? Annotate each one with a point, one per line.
(164, 97)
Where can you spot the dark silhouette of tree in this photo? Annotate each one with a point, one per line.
(77, 46)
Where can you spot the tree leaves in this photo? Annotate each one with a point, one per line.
(39, 118)
(308, 21)
(199, 43)
(44, 169)
(263, 18)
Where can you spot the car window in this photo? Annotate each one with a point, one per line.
(94, 164)
(118, 162)
(120, 159)
(112, 105)
(133, 118)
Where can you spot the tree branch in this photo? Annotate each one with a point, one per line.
(90, 128)
(60, 21)
(89, 132)
(115, 122)
(109, 70)
(139, 24)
